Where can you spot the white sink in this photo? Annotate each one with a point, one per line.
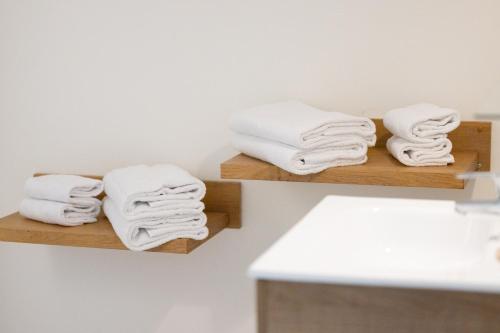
(405, 233)
(390, 242)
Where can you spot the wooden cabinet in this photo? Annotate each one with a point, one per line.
(290, 307)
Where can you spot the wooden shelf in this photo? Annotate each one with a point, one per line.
(15, 228)
(471, 148)
(222, 201)
(381, 169)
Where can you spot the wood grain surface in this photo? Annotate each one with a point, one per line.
(16, 228)
(381, 169)
(318, 308)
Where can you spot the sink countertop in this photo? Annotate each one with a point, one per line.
(343, 241)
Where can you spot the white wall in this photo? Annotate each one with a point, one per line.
(87, 86)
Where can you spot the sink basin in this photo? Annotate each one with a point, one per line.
(404, 233)
(390, 242)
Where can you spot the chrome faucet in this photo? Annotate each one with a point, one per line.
(484, 206)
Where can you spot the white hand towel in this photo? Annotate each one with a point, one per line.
(65, 188)
(167, 209)
(437, 152)
(302, 162)
(421, 122)
(141, 189)
(146, 234)
(300, 125)
(61, 213)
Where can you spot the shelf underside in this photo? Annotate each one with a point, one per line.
(381, 169)
(15, 228)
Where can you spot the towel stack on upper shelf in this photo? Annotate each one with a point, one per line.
(421, 134)
(302, 139)
(62, 199)
(151, 205)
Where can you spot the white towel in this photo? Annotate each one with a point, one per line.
(61, 213)
(167, 209)
(302, 162)
(437, 152)
(144, 234)
(65, 188)
(141, 190)
(421, 122)
(300, 125)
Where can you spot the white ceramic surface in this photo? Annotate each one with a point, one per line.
(388, 242)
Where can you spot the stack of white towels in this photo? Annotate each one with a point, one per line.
(302, 139)
(66, 200)
(421, 134)
(151, 205)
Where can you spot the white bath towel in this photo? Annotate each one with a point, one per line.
(140, 235)
(65, 188)
(140, 190)
(302, 162)
(421, 122)
(300, 125)
(437, 152)
(167, 209)
(61, 213)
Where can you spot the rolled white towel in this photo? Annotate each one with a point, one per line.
(302, 162)
(437, 152)
(65, 188)
(421, 122)
(300, 125)
(144, 234)
(61, 213)
(140, 190)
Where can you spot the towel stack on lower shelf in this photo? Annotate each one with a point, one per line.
(62, 199)
(302, 139)
(421, 134)
(151, 205)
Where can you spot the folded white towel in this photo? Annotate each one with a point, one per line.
(300, 125)
(302, 162)
(65, 188)
(167, 209)
(55, 212)
(437, 152)
(147, 233)
(421, 122)
(141, 190)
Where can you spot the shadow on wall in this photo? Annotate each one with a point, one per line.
(173, 288)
